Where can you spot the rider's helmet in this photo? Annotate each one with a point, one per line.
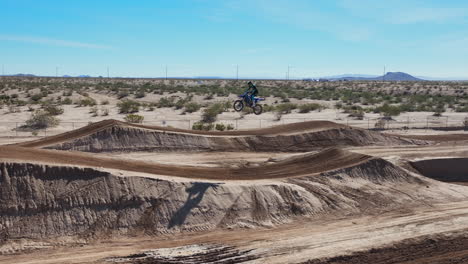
(250, 84)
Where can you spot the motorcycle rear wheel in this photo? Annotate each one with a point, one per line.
(238, 105)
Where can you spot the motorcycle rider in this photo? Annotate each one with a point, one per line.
(253, 92)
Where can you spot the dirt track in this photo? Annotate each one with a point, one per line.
(294, 167)
(342, 193)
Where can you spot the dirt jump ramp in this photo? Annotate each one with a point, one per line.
(116, 136)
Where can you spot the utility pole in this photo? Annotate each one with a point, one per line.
(383, 76)
(107, 72)
(237, 72)
(166, 71)
(56, 72)
(287, 75)
(3, 69)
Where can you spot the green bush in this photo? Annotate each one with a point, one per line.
(229, 127)
(210, 113)
(128, 106)
(220, 127)
(87, 102)
(165, 102)
(389, 110)
(200, 125)
(53, 109)
(66, 101)
(197, 126)
(132, 118)
(36, 97)
(285, 108)
(306, 108)
(191, 107)
(41, 119)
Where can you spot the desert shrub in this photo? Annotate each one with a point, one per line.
(67, 93)
(306, 108)
(229, 127)
(36, 97)
(128, 106)
(200, 125)
(357, 114)
(133, 118)
(53, 109)
(191, 107)
(220, 127)
(465, 123)
(380, 124)
(122, 94)
(94, 111)
(461, 109)
(66, 101)
(88, 101)
(140, 94)
(104, 102)
(210, 113)
(208, 127)
(197, 126)
(278, 115)
(268, 108)
(165, 102)
(41, 119)
(13, 109)
(104, 112)
(286, 108)
(388, 110)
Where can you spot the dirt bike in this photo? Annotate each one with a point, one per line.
(246, 100)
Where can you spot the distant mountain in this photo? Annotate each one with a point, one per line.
(24, 75)
(350, 76)
(390, 76)
(84, 76)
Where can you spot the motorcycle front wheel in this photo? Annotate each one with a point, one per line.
(257, 109)
(238, 105)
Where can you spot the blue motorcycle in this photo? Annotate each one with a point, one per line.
(246, 101)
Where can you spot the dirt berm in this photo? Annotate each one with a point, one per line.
(42, 198)
(112, 135)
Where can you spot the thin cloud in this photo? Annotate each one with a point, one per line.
(53, 42)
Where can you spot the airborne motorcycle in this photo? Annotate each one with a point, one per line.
(247, 101)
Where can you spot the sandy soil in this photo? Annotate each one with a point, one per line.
(291, 243)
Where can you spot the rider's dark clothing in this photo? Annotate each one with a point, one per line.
(253, 92)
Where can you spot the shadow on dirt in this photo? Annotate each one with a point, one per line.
(195, 195)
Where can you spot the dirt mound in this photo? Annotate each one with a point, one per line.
(111, 135)
(446, 170)
(42, 201)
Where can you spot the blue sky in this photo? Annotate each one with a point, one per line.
(211, 37)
